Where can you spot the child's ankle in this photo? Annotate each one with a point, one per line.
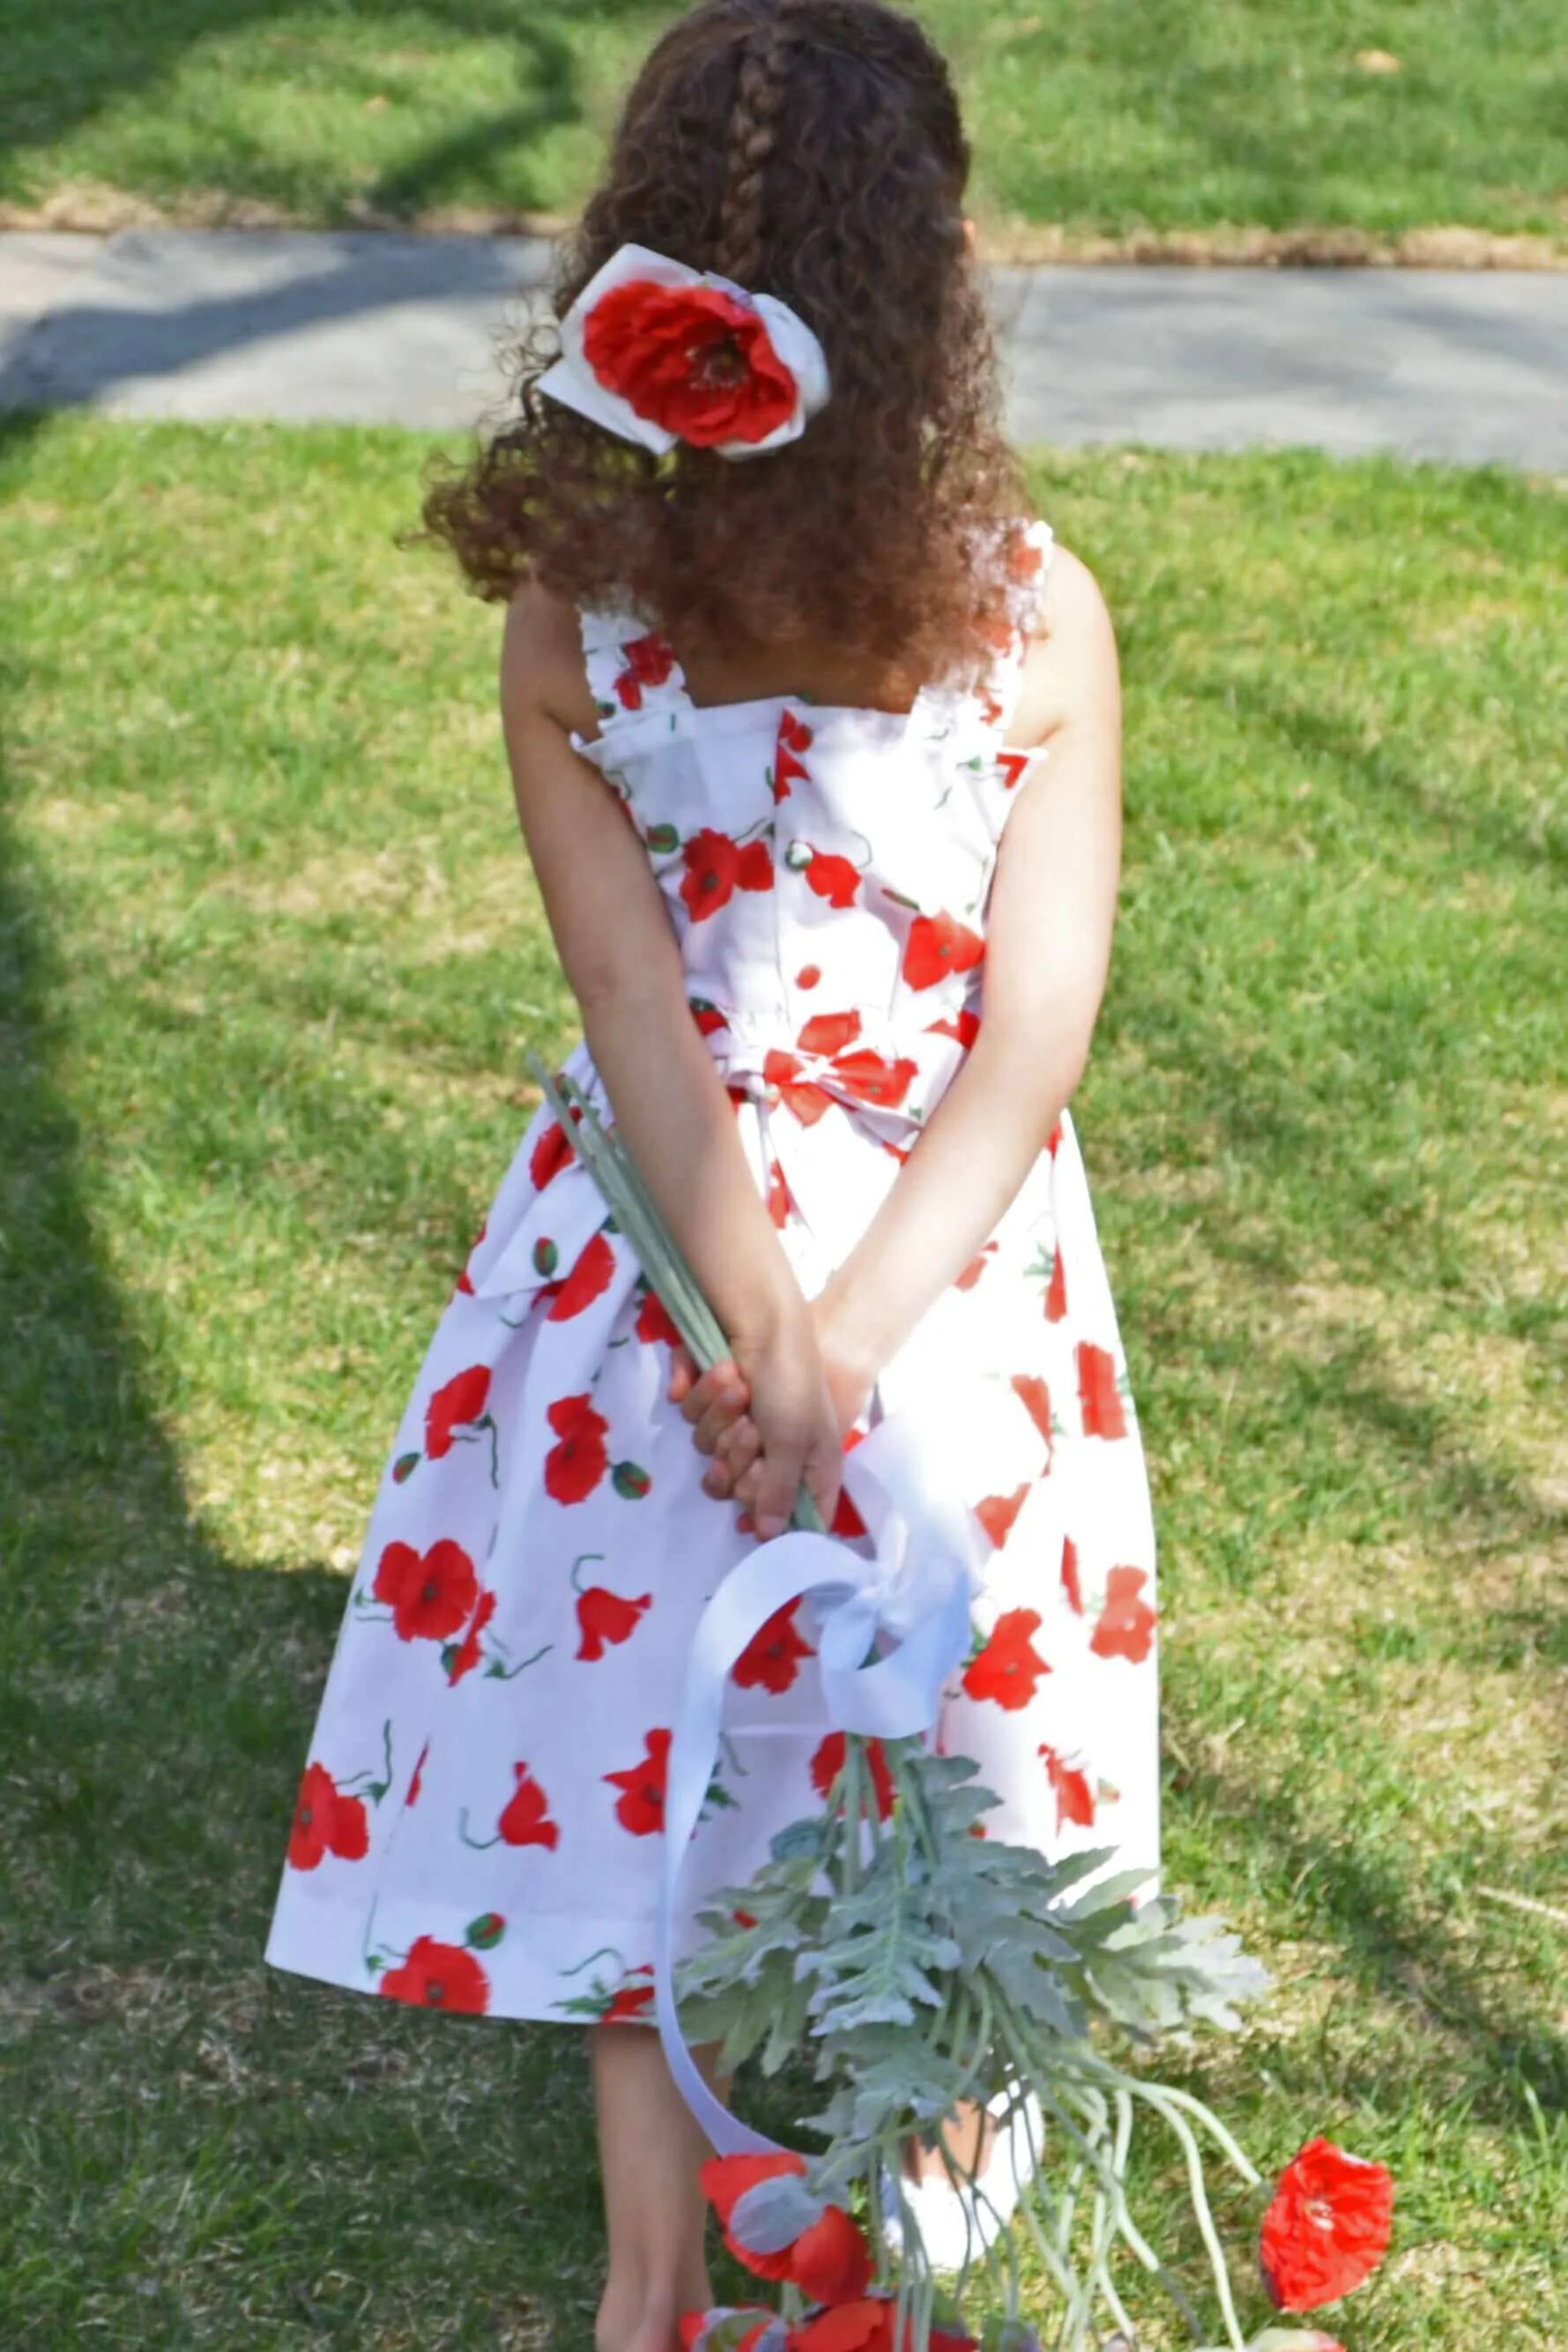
(646, 2322)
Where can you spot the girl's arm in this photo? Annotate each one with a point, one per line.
(619, 951)
(1048, 948)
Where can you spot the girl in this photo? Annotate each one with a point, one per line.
(815, 740)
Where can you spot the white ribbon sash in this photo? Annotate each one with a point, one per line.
(893, 1630)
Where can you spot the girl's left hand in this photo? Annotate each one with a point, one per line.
(718, 1403)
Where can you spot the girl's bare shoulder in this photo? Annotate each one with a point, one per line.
(1071, 669)
(541, 660)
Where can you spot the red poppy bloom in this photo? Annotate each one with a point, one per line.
(709, 1019)
(466, 1656)
(549, 1155)
(771, 1659)
(417, 1782)
(1035, 1398)
(1104, 1414)
(868, 2326)
(778, 1196)
(965, 1026)
(830, 2261)
(1056, 1290)
(976, 1267)
(832, 878)
(808, 1102)
(717, 867)
(458, 1405)
(575, 1466)
(939, 945)
(692, 359)
(590, 1279)
(998, 1512)
(648, 662)
(1070, 1583)
(828, 1762)
(788, 766)
(603, 1618)
(439, 1976)
(1074, 1797)
(884, 1085)
(1008, 1668)
(640, 1807)
(809, 976)
(326, 1821)
(526, 1819)
(828, 1033)
(431, 1594)
(630, 2001)
(1327, 2228)
(654, 1322)
(1126, 1627)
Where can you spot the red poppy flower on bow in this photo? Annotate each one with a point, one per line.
(939, 945)
(549, 1155)
(630, 2001)
(998, 1513)
(590, 1279)
(788, 766)
(1327, 2228)
(648, 662)
(431, 1594)
(466, 1656)
(439, 1976)
(882, 1084)
(965, 1026)
(1126, 1627)
(771, 1659)
(526, 1821)
(1008, 1667)
(1034, 1396)
(691, 358)
(326, 1821)
(458, 1405)
(717, 867)
(604, 1618)
(809, 1103)
(1103, 1413)
(976, 1267)
(832, 878)
(827, 1033)
(1070, 1583)
(1074, 1797)
(828, 1762)
(574, 1467)
(654, 1322)
(640, 1807)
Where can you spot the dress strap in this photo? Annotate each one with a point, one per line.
(1026, 601)
(631, 670)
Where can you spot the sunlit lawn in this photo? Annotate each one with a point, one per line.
(1105, 115)
(272, 956)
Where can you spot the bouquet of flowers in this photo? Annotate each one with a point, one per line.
(923, 1967)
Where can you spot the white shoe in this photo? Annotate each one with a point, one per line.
(956, 2225)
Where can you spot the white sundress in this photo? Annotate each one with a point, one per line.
(479, 1827)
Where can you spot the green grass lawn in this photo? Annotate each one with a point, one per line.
(1109, 116)
(271, 957)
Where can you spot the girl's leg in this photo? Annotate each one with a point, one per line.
(650, 2150)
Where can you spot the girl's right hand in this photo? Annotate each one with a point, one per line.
(769, 1418)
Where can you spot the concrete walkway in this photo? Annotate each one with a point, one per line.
(367, 329)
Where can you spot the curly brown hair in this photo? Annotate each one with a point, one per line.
(812, 150)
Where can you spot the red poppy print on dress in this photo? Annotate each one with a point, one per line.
(708, 1017)
(465, 1280)
(1104, 1414)
(809, 976)
(717, 867)
(1126, 1627)
(771, 1659)
(590, 1279)
(692, 359)
(827, 1033)
(574, 1467)
(1074, 1797)
(1008, 1668)
(998, 1513)
(439, 1976)
(964, 1027)
(655, 1323)
(467, 1654)
(976, 1267)
(640, 1807)
(1069, 1584)
(1034, 1396)
(549, 1155)
(417, 1783)
(650, 662)
(828, 1762)
(832, 878)
(460, 1404)
(526, 1821)
(809, 1103)
(789, 768)
(882, 1084)
(327, 1821)
(1011, 766)
(631, 2002)
(431, 1594)
(778, 1196)
(604, 1620)
(939, 946)
(1056, 1290)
